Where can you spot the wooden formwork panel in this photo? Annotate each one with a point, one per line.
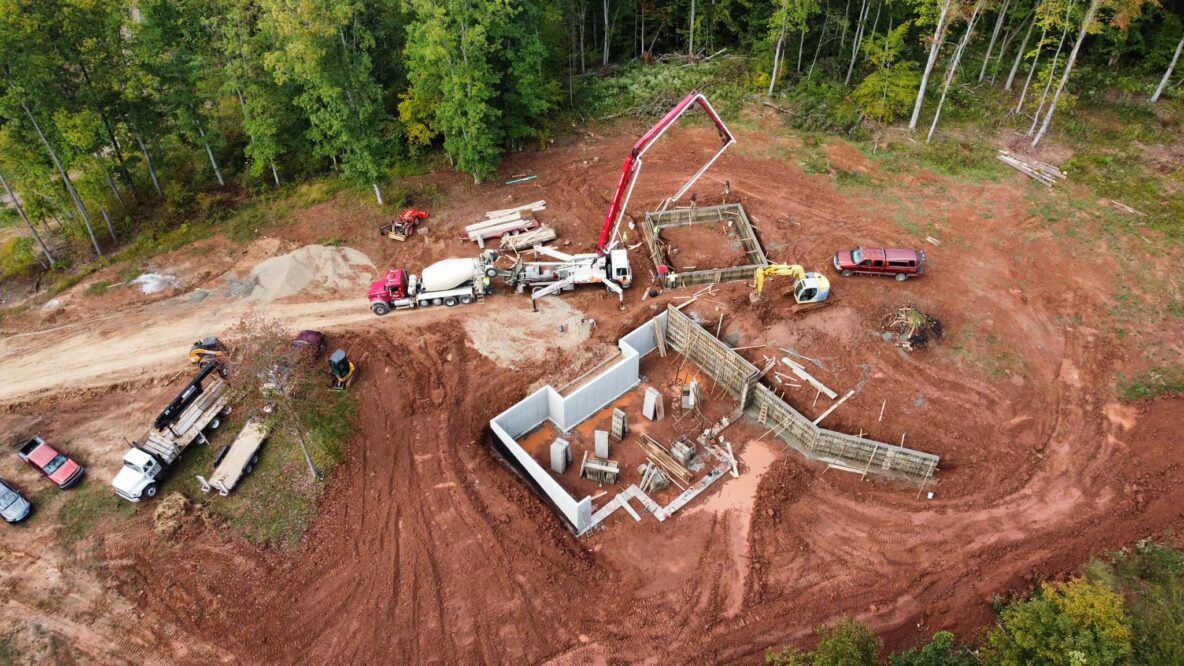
(709, 354)
(681, 217)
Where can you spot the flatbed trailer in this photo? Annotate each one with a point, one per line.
(169, 442)
(238, 459)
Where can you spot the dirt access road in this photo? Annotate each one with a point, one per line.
(429, 549)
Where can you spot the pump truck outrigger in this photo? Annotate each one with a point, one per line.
(610, 264)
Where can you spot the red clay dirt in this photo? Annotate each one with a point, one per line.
(429, 548)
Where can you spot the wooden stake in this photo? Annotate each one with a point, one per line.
(882, 406)
(834, 406)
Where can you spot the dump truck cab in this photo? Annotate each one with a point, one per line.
(137, 477)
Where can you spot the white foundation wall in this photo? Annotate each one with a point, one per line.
(566, 412)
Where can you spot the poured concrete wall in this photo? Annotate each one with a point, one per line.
(566, 412)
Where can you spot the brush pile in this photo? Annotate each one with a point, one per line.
(910, 328)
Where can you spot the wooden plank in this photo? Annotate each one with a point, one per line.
(800, 371)
(660, 336)
(834, 406)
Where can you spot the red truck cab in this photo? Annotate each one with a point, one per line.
(57, 467)
(900, 263)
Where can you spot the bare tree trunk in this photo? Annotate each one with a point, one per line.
(1167, 76)
(582, 13)
(863, 10)
(378, 195)
(148, 161)
(801, 47)
(1008, 36)
(604, 61)
(1052, 108)
(821, 39)
(1051, 73)
(110, 227)
(846, 22)
(953, 69)
(111, 182)
(994, 35)
(275, 175)
(21, 211)
(69, 184)
(691, 38)
(1015, 66)
(777, 58)
(210, 153)
(938, 34)
(312, 468)
(1032, 70)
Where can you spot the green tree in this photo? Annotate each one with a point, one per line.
(943, 650)
(324, 48)
(1152, 580)
(1073, 623)
(848, 643)
(477, 77)
(788, 656)
(886, 94)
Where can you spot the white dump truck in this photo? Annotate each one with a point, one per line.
(199, 407)
(447, 282)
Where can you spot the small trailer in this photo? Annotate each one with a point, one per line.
(237, 460)
(501, 223)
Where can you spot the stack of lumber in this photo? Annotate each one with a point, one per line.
(1041, 171)
(501, 222)
(666, 462)
(528, 239)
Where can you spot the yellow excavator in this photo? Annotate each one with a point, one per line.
(810, 290)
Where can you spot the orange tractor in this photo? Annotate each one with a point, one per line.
(404, 227)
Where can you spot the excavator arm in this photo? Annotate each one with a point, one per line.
(632, 167)
(795, 271)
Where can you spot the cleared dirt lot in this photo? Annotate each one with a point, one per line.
(428, 548)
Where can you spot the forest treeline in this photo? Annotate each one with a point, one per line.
(105, 103)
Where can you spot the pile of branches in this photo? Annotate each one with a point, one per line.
(913, 328)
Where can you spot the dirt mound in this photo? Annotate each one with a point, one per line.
(313, 270)
(169, 514)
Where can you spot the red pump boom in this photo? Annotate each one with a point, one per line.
(632, 168)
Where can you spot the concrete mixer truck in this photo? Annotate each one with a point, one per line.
(446, 282)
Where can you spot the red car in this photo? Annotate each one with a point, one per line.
(57, 467)
(898, 262)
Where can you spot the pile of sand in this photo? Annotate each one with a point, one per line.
(310, 270)
(511, 335)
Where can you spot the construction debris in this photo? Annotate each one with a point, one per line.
(651, 407)
(528, 239)
(833, 407)
(913, 329)
(662, 458)
(620, 426)
(800, 371)
(499, 223)
(600, 470)
(1045, 173)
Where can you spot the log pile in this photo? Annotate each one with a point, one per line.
(1045, 173)
(528, 239)
(498, 223)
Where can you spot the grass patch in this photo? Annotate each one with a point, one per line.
(17, 257)
(413, 195)
(98, 288)
(87, 507)
(278, 502)
(9, 654)
(1164, 380)
(1150, 579)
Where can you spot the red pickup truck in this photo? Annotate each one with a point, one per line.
(57, 467)
(898, 262)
